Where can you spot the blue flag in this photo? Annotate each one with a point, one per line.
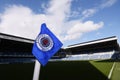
(45, 45)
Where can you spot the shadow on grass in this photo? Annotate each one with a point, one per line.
(71, 70)
(16, 71)
(63, 70)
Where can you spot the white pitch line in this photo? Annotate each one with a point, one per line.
(110, 73)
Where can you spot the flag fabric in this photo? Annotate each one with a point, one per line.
(45, 45)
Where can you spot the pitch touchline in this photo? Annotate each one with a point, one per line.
(110, 74)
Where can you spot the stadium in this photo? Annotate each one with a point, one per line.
(92, 60)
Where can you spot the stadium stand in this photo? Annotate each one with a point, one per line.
(101, 49)
(15, 49)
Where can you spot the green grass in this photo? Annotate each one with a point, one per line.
(70, 70)
(116, 72)
(62, 70)
(103, 66)
(16, 71)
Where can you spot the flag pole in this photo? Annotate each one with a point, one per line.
(36, 70)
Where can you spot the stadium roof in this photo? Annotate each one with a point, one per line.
(15, 38)
(105, 44)
(108, 39)
(10, 43)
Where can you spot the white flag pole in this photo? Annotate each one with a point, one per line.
(36, 70)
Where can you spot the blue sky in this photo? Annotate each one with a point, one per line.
(72, 21)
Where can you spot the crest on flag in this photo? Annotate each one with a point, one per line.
(44, 42)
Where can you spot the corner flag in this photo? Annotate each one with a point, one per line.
(45, 45)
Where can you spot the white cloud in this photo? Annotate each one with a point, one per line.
(22, 21)
(91, 11)
(85, 27)
(88, 12)
(80, 28)
(107, 3)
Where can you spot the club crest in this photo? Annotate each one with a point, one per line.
(44, 42)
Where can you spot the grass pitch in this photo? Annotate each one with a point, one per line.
(69, 70)
(62, 70)
(16, 71)
(116, 72)
(103, 66)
